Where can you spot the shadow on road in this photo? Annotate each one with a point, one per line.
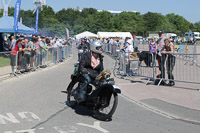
(51, 117)
(80, 110)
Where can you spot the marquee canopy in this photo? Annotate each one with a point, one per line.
(85, 34)
(114, 34)
(7, 26)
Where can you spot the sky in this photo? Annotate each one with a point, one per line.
(189, 9)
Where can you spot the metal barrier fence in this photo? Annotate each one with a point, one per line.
(19, 62)
(184, 68)
(177, 68)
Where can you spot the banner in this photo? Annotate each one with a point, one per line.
(67, 31)
(16, 15)
(36, 21)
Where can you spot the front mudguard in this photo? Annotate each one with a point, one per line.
(116, 89)
(106, 88)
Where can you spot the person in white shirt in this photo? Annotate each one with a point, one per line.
(128, 50)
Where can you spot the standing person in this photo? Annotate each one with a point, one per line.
(37, 52)
(135, 43)
(153, 49)
(56, 46)
(121, 43)
(45, 52)
(13, 54)
(161, 57)
(42, 47)
(128, 51)
(168, 50)
(12, 42)
(33, 48)
(27, 54)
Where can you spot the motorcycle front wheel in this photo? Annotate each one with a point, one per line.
(105, 113)
(71, 102)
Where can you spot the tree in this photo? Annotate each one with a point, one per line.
(153, 21)
(197, 26)
(180, 24)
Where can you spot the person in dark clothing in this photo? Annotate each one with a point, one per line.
(85, 40)
(1, 42)
(167, 50)
(91, 65)
(161, 57)
(83, 48)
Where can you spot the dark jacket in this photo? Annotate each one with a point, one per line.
(84, 46)
(86, 68)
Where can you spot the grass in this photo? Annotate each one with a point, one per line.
(198, 42)
(4, 61)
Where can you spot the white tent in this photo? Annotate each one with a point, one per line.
(114, 34)
(85, 34)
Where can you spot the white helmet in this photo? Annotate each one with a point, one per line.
(95, 45)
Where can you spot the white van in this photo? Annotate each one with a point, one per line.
(192, 35)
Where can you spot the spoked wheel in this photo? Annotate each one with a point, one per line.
(107, 109)
(71, 102)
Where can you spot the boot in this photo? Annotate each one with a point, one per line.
(81, 97)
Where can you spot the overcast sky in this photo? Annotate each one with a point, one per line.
(189, 9)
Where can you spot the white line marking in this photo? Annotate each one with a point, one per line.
(26, 131)
(71, 129)
(41, 128)
(95, 126)
(148, 107)
(10, 117)
(23, 115)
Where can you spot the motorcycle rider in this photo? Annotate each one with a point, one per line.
(91, 65)
(83, 47)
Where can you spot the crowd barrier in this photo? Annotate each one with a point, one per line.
(19, 62)
(186, 67)
(183, 69)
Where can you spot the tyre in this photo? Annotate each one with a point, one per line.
(105, 113)
(71, 101)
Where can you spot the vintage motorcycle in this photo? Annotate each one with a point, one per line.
(101, 94)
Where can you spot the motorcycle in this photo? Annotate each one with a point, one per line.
(101, 94)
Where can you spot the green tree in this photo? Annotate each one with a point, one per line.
(197, 26)
(153, 21)
(181, 24)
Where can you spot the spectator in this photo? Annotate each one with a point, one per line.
(135, 43)
(121, 43)
(128, 51)
(168, 50)
(18, 47)
(31, 44)
(27, 54)
(55, 51)
(37, 54)
(42, 47)
(45, 53)
(153, 49)
(12, 42)
(161, 58)
(21, 58)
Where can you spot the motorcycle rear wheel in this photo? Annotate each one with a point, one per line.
(106, 113)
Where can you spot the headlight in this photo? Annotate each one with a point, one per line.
(107, 77)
